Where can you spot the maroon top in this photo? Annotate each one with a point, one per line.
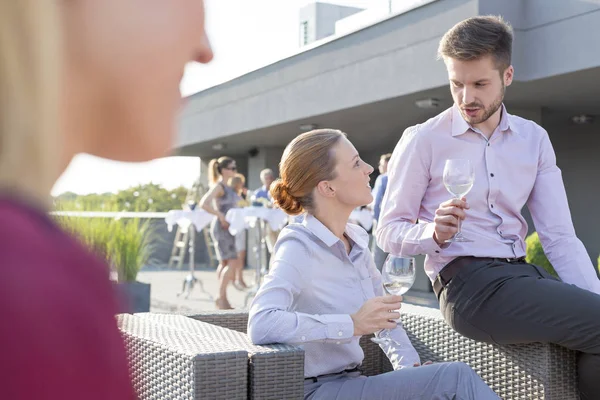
(58, 335)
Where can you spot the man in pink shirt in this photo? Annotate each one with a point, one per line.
(486, 290)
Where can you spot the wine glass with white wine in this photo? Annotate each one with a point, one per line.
(398, 275)
(458, 180)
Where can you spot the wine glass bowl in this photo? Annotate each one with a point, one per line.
(397, 275)
(458, 180)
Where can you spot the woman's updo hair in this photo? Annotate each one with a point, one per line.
(283, 198)
(306, 161)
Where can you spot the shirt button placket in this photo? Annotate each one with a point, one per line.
(490, 165)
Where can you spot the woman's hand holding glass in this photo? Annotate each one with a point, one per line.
(398, 275)
(376, 314)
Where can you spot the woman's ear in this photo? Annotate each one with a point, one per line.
(325, 189)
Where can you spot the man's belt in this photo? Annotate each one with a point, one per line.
(454, 266)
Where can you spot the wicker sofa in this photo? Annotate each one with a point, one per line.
(166, 363)
(527, 372)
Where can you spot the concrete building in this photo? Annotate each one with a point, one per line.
(378, 80)
(318, 21)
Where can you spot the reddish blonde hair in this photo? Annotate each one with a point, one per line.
(306, 161)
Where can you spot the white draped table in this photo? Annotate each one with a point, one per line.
(256, 217)
(240, 219)
(184, 219)
(243, 218)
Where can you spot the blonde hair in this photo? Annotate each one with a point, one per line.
(30, 56)
(237, 179)
(306, 161)
(215, 166)
(386, 157)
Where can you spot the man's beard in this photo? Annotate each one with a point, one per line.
(487, 112)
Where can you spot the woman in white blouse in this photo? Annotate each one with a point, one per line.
(324, 291)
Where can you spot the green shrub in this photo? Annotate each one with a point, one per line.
(124, 244)
(536, 255)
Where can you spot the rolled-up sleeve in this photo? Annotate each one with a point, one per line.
(270, 318)
(408, 178)
(552, 218)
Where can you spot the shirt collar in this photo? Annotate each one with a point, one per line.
(460, 126)
(326, 236)
(319, 230)
(351, 232)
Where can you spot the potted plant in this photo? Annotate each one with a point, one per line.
(126, 247)
(129, 249)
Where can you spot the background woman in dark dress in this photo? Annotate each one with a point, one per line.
(219, 199)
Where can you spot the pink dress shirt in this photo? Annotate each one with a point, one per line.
(514, 168)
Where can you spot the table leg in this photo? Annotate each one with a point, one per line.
(190, 280)
(258, 249)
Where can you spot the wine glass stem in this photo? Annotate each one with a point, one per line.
(458, 232)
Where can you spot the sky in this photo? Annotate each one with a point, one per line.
(245, 35)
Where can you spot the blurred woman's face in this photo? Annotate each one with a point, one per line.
(229, 171)
(124, 61)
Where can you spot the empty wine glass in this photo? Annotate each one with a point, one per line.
(458, 180)
(398, 275)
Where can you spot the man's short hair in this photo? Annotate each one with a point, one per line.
(265, 172)
(386, 157)
(478, 37)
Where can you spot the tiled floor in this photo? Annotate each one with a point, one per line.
(166, 284)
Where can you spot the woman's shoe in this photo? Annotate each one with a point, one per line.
(223, 304)
(240, 285)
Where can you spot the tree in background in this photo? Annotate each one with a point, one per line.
(142, 198)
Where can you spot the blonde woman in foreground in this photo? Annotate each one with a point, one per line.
(324, 292)
(77, 76)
